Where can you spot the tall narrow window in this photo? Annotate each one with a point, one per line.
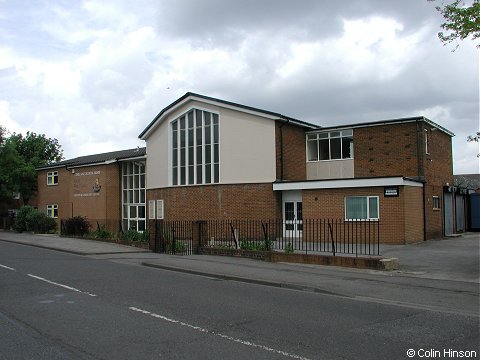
(196, 148)
(133, 196)
(436, 202)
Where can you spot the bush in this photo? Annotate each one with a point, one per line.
(21, 218)
(29, 219)
(76, 226)
(102, 233)
(40, 223)
(134, 235)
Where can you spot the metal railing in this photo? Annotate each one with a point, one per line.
(310, 236)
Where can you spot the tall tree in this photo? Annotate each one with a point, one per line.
(19, 157)
(462, 21)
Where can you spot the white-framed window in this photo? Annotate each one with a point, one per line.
(52, 178)
(195, 148)
(332, 145)
(160, 210)
(362, 208)
(151, 209)
(133, 195)
(436, 202)
(52, 211)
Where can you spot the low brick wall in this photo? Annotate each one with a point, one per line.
(367, 262)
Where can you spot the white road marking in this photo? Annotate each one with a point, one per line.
(7, 267)
(206, 331)
(61, 285)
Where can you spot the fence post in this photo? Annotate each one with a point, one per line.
(330, 229)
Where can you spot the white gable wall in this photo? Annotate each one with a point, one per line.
(247, 147)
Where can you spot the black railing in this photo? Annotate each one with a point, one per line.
(174, 237)
(309, 236)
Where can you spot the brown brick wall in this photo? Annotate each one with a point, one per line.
(294, 154)
(330, 203)
(386, 150)
(75, 196)
(399, 149)
(219, 202)
(413, 205)
(59, 194)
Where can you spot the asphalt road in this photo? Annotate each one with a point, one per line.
(56, 305)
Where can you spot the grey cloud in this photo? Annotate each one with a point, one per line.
(225, 23)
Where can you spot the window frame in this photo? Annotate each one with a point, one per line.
(134, 204)
(198, 161)
(367, 197)
(330, 137)
(436, 203)
(52, 211)
(52, 178)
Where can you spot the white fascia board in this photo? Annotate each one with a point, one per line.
(345, 183)
(143, 157)
(206, 101)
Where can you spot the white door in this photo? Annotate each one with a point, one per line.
(292, 214)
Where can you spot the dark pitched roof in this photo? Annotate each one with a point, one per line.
(229, 103)
(469, 181)
(98, 158)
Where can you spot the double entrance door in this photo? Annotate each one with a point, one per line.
(292, 214)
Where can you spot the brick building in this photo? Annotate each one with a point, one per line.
(211, 159)
(109, 189)
(214, 159)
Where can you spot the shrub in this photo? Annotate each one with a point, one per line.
(102, 233)
(76, 226)
(29, 219)
(40, 222)
(134, 235)
(21, 218)
(253, 245)
(289, 248)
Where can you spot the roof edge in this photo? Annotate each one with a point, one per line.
(152, 125)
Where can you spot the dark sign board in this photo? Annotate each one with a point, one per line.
(390, 191)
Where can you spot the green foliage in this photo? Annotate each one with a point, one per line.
(29, 219)
(461, 22)
(180, 247)
(40, 222)
(102, 233)
(76, 226)
(253, 245)
(21, 218)
(133, 235)
(289, 248)
(19, 157)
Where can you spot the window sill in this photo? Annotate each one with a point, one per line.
(332, 160)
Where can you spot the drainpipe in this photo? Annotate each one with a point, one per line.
(421, 173)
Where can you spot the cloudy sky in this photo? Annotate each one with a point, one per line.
(93, 74)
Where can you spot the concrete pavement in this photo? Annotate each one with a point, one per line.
(66, 244)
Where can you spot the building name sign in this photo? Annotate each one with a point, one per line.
(390, 191)
(88, 173)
